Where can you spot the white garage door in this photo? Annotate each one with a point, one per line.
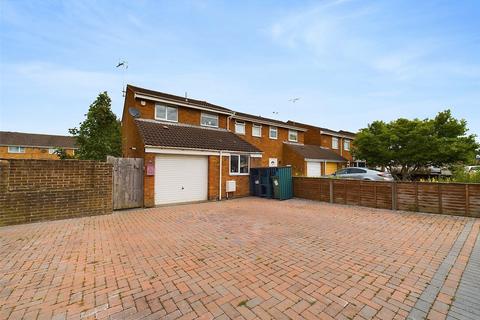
(313, 169)
(180, 178)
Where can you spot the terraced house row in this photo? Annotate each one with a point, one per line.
(194, 150)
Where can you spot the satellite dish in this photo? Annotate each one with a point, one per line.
(134, 112)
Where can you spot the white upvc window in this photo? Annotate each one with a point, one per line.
(257, 130)
(51, 150)
(334, 143)
(239, 164)
(209, 120)
(16, 149)
(346, 145)
(273, 133)
(167, 113)
(240, 127)
(293, 135)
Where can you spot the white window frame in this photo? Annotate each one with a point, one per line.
(270, 132)
(18, 149)
(293, 132)
(238, 173)
(211, 116)
(166, 112)
(335, 145)
(256, 126)
(346, 145)
(240, 123)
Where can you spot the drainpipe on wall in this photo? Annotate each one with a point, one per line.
(220, 178)
(341, 146)
(324, 167)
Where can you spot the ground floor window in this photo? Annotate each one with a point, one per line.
(239, 164)
(16, 149)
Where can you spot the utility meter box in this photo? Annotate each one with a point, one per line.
(231, 186)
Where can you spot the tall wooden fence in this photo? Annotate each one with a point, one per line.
(127, 182)
(445, 198)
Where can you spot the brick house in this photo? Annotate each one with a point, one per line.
(20, 145)
(193, 150)
(324, 151)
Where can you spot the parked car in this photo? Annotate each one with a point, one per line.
(472, 169)
(362, 174)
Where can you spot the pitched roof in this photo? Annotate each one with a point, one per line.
(308, 151)
(208, 105)
(179, 99)
(175, 135)
(325, 130)
(35, 140)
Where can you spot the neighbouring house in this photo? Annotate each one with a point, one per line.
(194, 150)
(324, 151)
(21, 145)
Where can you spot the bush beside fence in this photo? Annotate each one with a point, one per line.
(445, 198)
(38, 190)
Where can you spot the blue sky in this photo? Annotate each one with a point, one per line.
(350, 62)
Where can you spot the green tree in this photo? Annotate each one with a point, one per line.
(62, 154)
(99, 134)
(407, 146)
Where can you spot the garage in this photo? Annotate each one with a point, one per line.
(180, 178)
(314, 169)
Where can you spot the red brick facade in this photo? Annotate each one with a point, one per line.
(133, 146)
(38, 190)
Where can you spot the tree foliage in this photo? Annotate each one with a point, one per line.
(99, 134)
(406, 146)
(62, 154)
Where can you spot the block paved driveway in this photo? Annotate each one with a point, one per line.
(243, 259)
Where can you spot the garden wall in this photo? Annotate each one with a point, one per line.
(38, 190)
(445, 198)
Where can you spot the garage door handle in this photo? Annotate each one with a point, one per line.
(183, 188)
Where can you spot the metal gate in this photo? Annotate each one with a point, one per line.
(127, 182)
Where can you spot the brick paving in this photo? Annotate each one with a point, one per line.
(242, 259)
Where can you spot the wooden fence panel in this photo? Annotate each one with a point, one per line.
(339, 191)
(354, 190)
(367, 195)
(428, 197)
(383, 195)
(473, 200)
(407, 196)
(453, 200)
(311, 188)
(127, 182)
(445, 198)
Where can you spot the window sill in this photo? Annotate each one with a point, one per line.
(239, 174)
(158, 119)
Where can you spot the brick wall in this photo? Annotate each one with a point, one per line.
(38, 190)
(271, 148)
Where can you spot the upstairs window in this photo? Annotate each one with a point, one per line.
(240, 127)
(209, 120)
(273, 133)
(167, 113)
(346, 145)
(334, 143)
(239, 164)
(256, 130)
(293, 135)
(16, 149)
